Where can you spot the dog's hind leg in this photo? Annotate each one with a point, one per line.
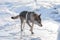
(22, 24)
(32, 28)
(21, 28)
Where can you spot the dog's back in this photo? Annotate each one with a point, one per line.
(23, 14)
(27, 14)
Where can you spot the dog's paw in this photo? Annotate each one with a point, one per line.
(21, 30)
(41, 25)
(32, 33)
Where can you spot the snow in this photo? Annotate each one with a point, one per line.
(10, 29)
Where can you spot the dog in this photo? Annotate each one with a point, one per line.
(29, 17)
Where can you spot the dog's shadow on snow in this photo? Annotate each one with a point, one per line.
(58, 37)
(29, 37)
(35, 38)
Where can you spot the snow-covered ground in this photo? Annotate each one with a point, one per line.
(50, 14)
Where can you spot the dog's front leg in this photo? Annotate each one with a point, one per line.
(32, 28)
(28, 23)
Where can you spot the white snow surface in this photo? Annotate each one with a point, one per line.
(10, 29)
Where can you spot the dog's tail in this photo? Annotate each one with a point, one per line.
(15, 17)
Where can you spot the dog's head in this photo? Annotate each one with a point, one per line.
(38, 20)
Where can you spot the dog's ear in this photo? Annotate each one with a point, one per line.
(39, 15)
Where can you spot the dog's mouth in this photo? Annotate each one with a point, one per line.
(38, 24)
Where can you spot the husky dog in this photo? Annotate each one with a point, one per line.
(29, 17)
